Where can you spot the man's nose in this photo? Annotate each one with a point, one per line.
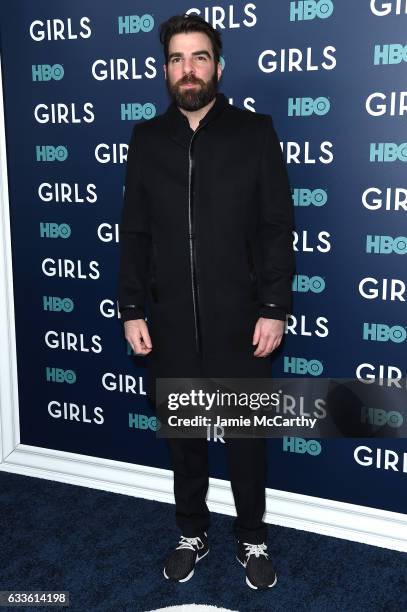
(188, 66)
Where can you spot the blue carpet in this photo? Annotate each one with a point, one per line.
(107, 550)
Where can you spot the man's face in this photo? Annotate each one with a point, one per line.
(192, 76)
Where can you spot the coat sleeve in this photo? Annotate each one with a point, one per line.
(135, 239)
(276, 224)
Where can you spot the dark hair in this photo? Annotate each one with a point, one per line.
(189, 23)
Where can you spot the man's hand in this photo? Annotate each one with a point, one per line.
(136, 333)
(268, 334)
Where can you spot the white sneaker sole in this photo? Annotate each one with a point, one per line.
(248, 581)
(191, 573)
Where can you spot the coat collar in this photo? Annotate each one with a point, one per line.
(178, 124)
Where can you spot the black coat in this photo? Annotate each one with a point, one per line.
(205, 239)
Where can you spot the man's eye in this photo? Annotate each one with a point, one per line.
(175, 59)
(201, 57)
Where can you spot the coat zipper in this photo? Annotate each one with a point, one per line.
(192, 257)
(252, 269)
(153, 279)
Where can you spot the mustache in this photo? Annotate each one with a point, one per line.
(185, 80)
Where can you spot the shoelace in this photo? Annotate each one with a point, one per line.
(255, 549)
(191, 543)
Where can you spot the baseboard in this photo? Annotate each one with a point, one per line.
(327, 517)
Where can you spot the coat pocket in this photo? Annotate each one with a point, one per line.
(153, 274)
(252, 270)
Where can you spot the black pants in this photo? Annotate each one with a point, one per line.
(246, 459)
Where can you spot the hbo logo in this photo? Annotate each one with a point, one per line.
(390, 54)
(302, 283)
(304, 107)
(299, 445)
(380, 332)
(56, 304)
(309, 9)
(133, 24)
(299, 365)
(60, 376)
(53, 230)
(142, 421)
(45, 72)
(377, 416)
(49, 153)
(137, 111)
(388, 151)
(386, 244)
(306, 197)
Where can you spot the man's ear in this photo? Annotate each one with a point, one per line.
(219, 69)
(165, 70)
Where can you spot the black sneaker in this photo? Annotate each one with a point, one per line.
(180, 565)
(260, 573)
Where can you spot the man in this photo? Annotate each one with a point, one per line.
(206, 242)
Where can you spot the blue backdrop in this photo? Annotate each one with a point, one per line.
(331, 74)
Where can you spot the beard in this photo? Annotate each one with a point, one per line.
(192, 99)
